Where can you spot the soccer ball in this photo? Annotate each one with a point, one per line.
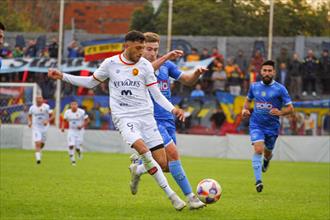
(209, 191)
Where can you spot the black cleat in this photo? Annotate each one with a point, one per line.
(259, 186)
(38, 161)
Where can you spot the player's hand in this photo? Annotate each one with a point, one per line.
(174, 54)
(79, 127)
(45, 122)
(62, 129)
(246, 113)
(179, 113)
(201, 70)
(55, 74)
(275, 111)
(29, 125)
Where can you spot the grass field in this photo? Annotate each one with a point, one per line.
(97, 188)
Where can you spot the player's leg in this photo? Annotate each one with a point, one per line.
(268, 151)
(155, 170)
(78, 146)
(71, 144)
(257, 138)
(175, 166)
(37, 139)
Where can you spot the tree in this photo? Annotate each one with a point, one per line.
(144, 19)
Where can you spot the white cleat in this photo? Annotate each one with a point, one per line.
(177, 203)
(195, 203)
(134, 158)
(135, 178)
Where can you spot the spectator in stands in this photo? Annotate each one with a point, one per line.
(95, 116)
(194, 56)
(67, 90)
(282, 75)
(205, 54)
(286, 125)
(218, 76)
(217, 119)
(47, 87)
(73, 49)
(282, 58)
(310, 70)
(234, 77)
(257, 60)
(22, 118)
(31, 49)
(326, 124)
(308, 124)
(216, 54)
(5, 51)
(2, 35)
(241, 61)
(295, 75)
(18, 52)
(102, 89)
(250, 77)
(197, 92)
(325, 71)
(4, 117)
(53, 48)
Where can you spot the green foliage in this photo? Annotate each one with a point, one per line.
(236, 18)
(15, 21)
(97, 188)
(144, 19)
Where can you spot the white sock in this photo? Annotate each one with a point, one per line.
(190, 196)
(141, 169)
(38, 156)
(154, 169)
(71, 154)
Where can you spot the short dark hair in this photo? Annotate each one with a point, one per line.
(269, 63)
(2, 27)
(135, 36)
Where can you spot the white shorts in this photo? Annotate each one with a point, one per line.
(75, 138)
(142, 127)
(39, 136)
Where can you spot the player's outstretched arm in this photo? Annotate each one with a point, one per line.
(189, 79)
(162, 101)
(84, 81)
(245, 111)
(172, 55)
(287, 110)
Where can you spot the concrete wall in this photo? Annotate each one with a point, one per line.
(288, 148)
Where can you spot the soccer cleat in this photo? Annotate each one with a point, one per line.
(259, 186)
(134, 158)
(265, 164)
(79, 154)
(177, 203)
(195, 203)
(135, 178)
(38, 161)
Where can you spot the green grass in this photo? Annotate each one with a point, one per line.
(97, 188)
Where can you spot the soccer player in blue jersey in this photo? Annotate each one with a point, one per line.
(271, 100)
(166, 124)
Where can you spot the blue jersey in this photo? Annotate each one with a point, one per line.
(167, 70)
(265, 98)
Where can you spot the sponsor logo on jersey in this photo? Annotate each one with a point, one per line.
(126, 92)
(127, 83)
(264, 105)
(163, 85)
(135, 71)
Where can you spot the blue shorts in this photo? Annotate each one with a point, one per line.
(257, 135)
(167, 131)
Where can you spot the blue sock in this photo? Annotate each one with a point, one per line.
(256, 164)
(179, 175)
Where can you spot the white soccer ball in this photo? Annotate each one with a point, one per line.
(209, 191)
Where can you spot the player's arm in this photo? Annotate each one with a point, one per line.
(172, 55)
(189, 79)
(287, 110)
(245, 111)
(162, 101)
(99, 75)
(30, 120)
(51, 117)
(86, 122)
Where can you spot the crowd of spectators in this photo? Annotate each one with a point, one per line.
(302, 77)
